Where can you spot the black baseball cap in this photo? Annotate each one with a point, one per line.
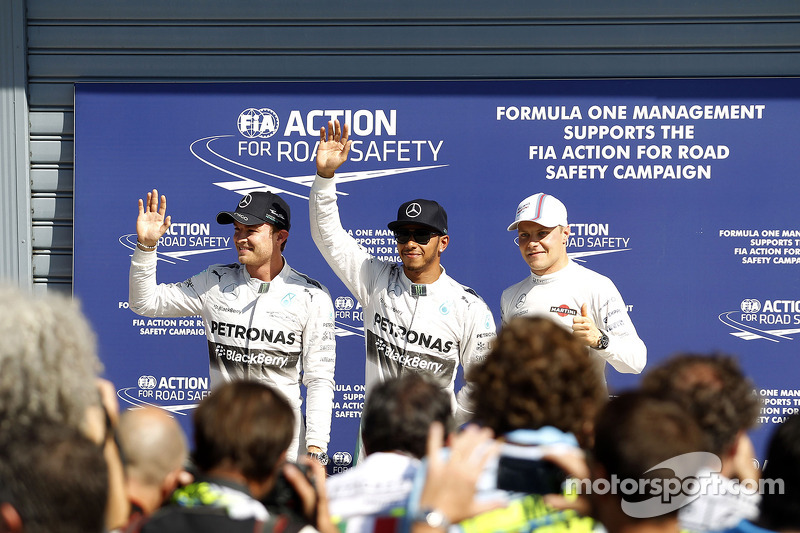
(426, 213)
(258, 208)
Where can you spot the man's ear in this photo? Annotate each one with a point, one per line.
(444, 240)
(173, 480)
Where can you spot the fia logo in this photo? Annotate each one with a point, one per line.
(750, 305)
(344, 303)
(258, 123)
(342, 458)
(147, 382)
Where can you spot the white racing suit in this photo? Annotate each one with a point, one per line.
(269, 332)
(409, 327)
(560, 295)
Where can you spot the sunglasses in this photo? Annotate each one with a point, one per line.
(420, 236)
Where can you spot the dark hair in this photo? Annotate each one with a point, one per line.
(55, 478)
(274, 229)
(245, 425)
(283, 244)
(713, 389)
(537, 374)
(399, 412)
(780, 510)
(636, 431)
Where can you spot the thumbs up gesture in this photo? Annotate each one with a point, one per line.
(584, 329)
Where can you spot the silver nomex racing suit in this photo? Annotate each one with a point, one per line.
(270, 332)
(560, 295)
(408, 327)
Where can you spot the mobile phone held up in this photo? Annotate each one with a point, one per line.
(531, 476)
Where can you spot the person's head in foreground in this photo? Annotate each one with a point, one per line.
(537, 374)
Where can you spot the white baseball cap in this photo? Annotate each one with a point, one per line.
(541, 208)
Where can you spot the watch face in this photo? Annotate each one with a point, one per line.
(435, 519)
(321, 457)
(603, 344)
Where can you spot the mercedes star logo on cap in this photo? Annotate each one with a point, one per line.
(245, 201)
(413, 210)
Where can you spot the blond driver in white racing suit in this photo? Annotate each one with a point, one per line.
(581, 300)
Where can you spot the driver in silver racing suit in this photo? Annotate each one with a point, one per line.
(416, 318)
(270, 331)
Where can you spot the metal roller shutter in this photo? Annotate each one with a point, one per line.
(101, 40)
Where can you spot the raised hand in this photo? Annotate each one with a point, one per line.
(151, 222)
(450, 485)
(333, 148)
(573, 462)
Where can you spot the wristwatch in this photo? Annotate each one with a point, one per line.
(433, 518)
(321, 457)
(602, 344)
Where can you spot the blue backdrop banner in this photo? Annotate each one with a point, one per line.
(683, 192)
